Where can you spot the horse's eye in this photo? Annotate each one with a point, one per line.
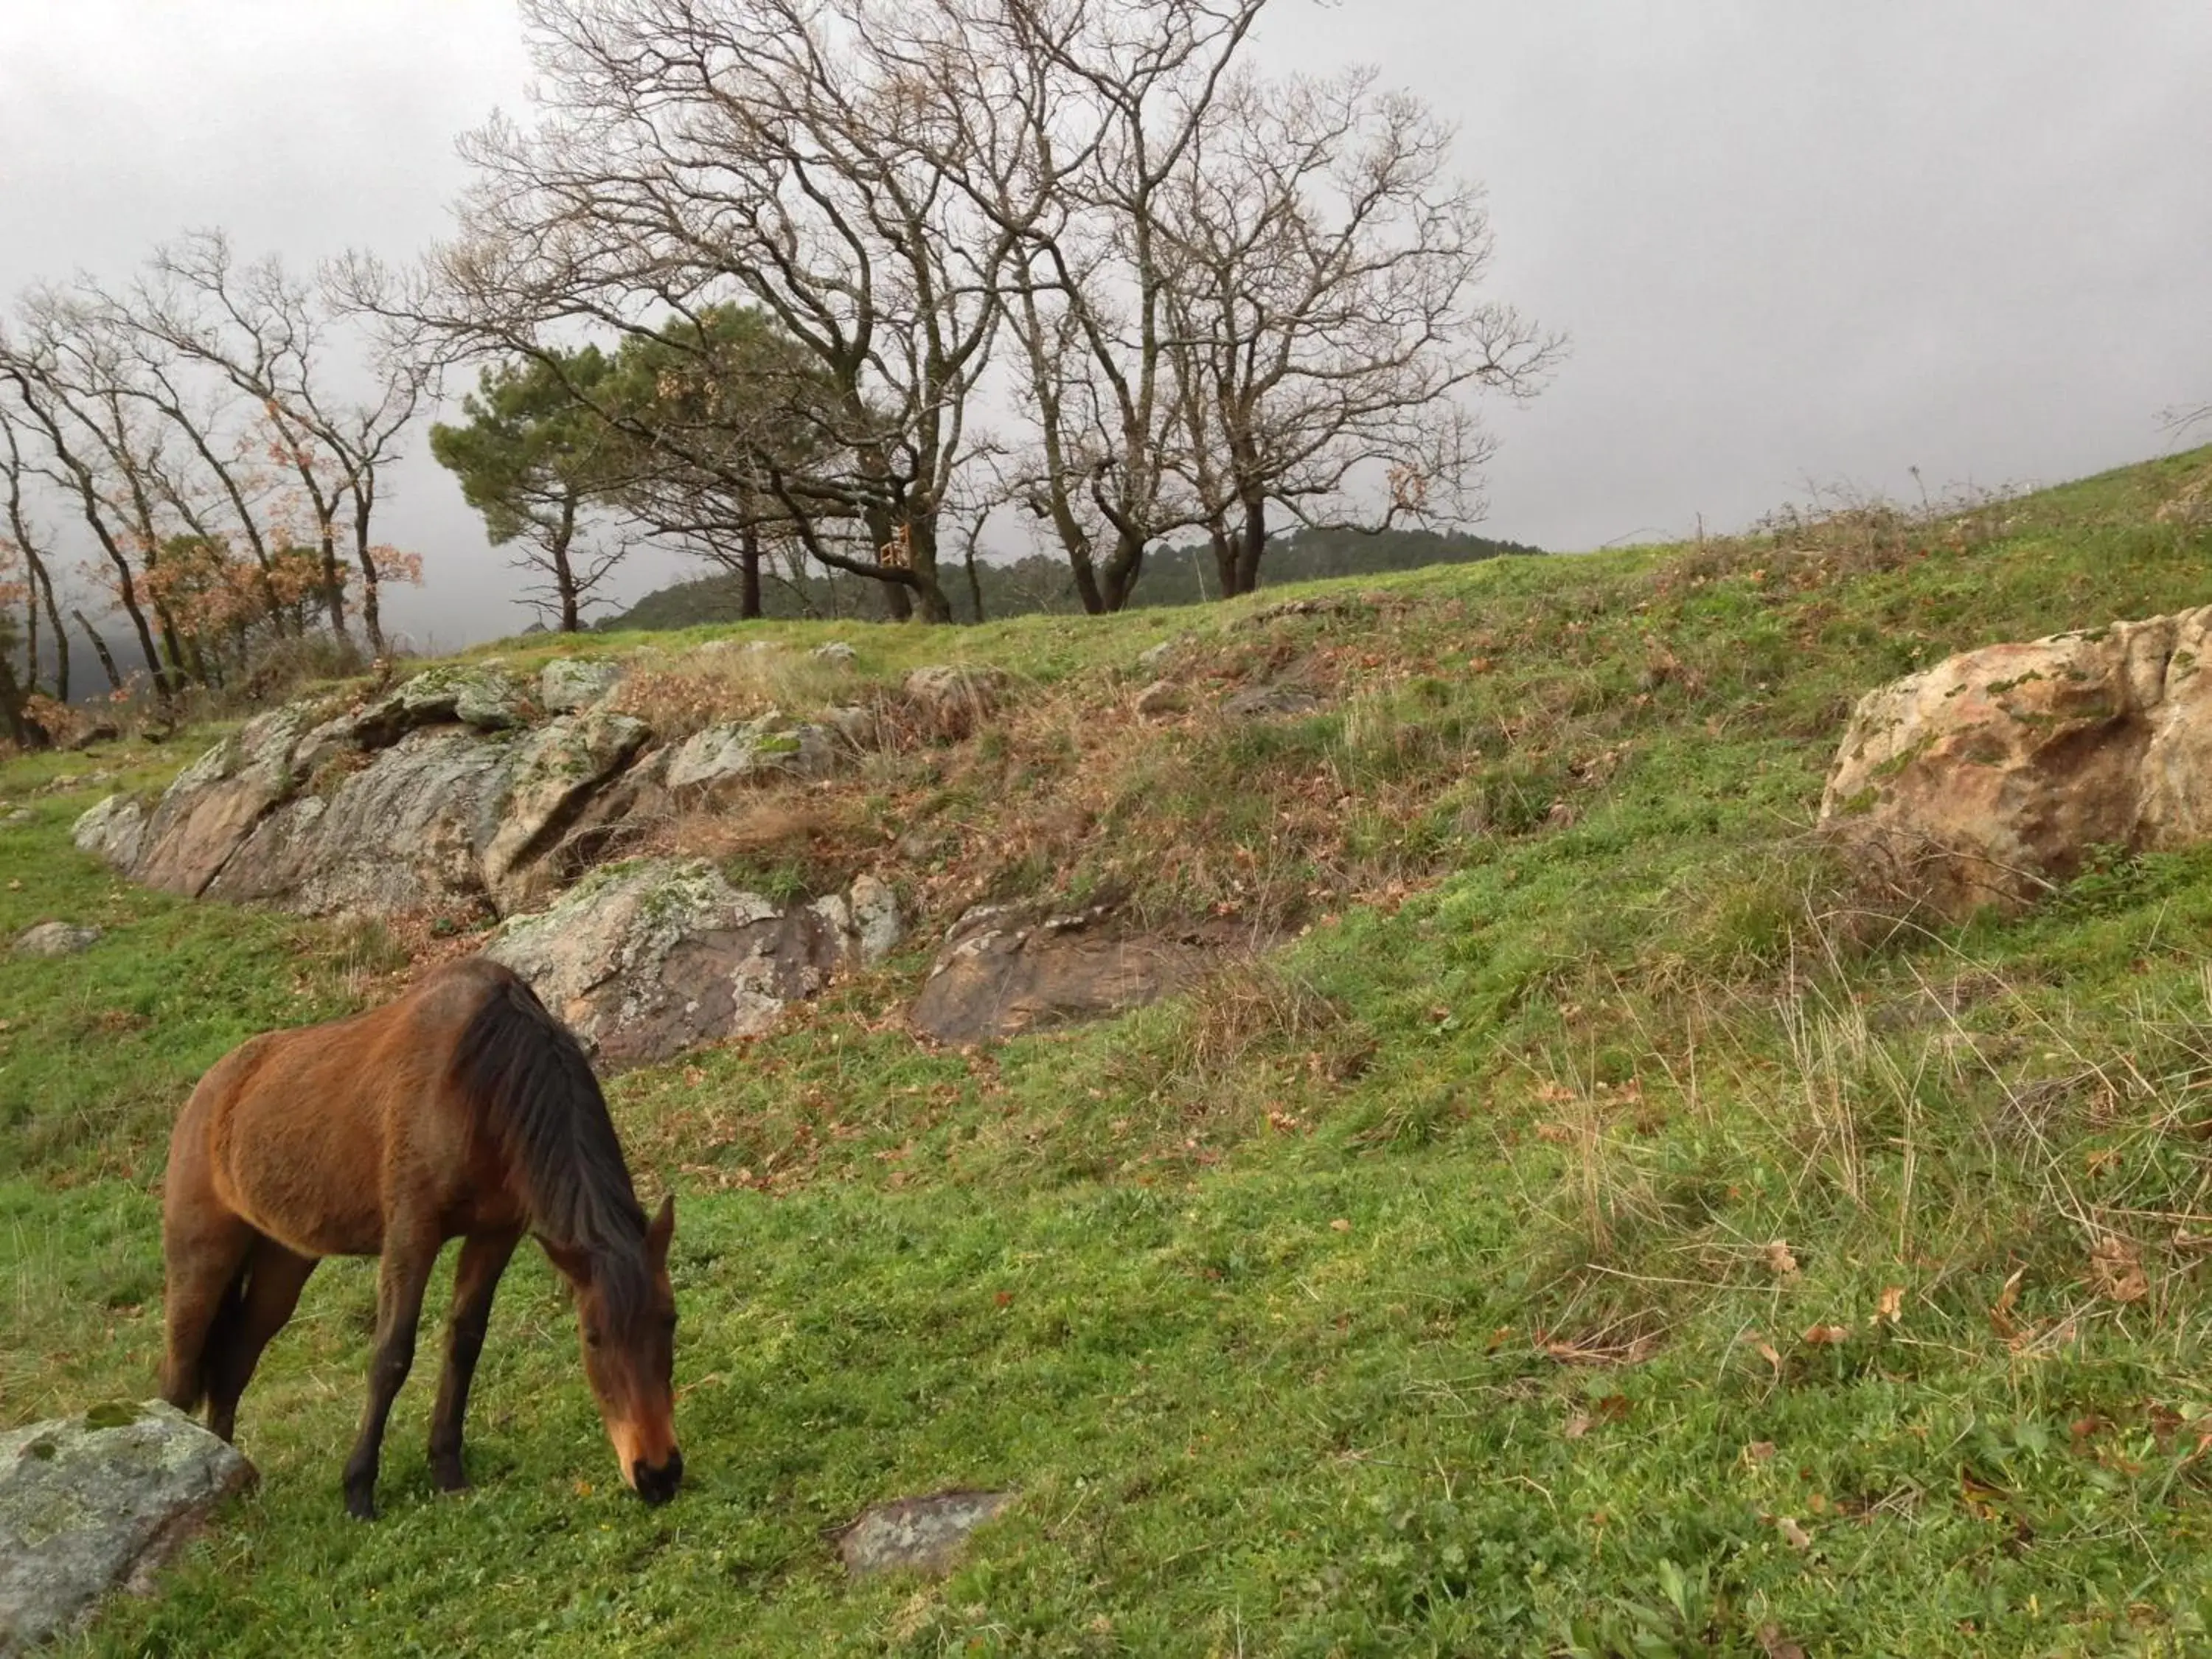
(591, 1339)
(669, 1324)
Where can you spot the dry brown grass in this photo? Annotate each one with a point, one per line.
(726, 681)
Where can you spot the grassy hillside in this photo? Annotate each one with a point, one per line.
(1601, 1227)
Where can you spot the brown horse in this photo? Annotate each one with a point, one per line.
(464, 1110)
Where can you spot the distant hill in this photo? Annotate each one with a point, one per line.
(1173, 576)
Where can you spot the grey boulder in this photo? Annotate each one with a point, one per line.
(98, 1503)
(647, 958)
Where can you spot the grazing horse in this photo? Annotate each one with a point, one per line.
(464, 1110)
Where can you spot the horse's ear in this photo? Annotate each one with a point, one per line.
(662, 1230)
(575, 1265)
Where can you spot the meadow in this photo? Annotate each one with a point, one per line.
(1597, 1222)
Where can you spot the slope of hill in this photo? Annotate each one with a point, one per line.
(1174, 575)
(1599, 1227)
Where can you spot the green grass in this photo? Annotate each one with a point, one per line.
(1595, 1233)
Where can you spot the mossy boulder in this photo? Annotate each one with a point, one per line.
(98, 1503)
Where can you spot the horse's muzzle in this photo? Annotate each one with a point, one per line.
(658, 1486)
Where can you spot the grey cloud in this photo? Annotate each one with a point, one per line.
(1830, 241)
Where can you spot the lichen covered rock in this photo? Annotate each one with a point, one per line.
(1986, 779)
(646, 959)
(94, 1504)
(111, 831)
(568, 684)
(734, 752)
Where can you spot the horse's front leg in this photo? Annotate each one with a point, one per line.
(476, 1278)
(402, 1277)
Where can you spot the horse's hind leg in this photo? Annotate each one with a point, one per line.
(476, 1278)
(274, 1278)
(203, 1250)
(404, 1274)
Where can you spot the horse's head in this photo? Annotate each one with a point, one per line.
(630, 1359)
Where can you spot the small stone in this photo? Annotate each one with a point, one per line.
(837, 653)
(876, 922)
(1269, 701)
(1152, 657)
(1160, 697)
(17, 815)
(856, 724)
(917, 1534)
(952, 699)
(56, 939)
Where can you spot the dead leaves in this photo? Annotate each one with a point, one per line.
(2117, 1271)
(1779, 1260)
(1621, 1343)
(1610, 1408)
(2000, 1319)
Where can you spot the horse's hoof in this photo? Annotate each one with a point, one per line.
(361, 1506)
(450, 1480)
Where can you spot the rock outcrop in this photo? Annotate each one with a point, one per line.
(751, 749)
(646, 959)
(1986, 778)
(450, 788)
(1005, 969)
(93, 1504)
(455, 788)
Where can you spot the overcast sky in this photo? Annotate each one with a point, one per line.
(1792, 243)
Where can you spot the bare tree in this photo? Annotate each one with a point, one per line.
(1327, 322)
(60, 382)
(268, 334)
(1100, 101)
(783, 153)
(24, 544)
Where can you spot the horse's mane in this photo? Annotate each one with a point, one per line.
(524, 1073)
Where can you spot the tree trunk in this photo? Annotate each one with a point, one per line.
(371, 621)
(749, 582)
(1224, 559)
(929, 596)
(61, 638)
(1122, 571)
(1252, 545)
(1086, 581)
(173, 645)
(99, 648)
(132, 609)
(365, 554)
(564, 574)
(17, 726)
(333, 583)
(974, 583)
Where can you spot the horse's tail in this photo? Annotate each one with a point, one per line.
(530, 1084)
(185, 1382)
